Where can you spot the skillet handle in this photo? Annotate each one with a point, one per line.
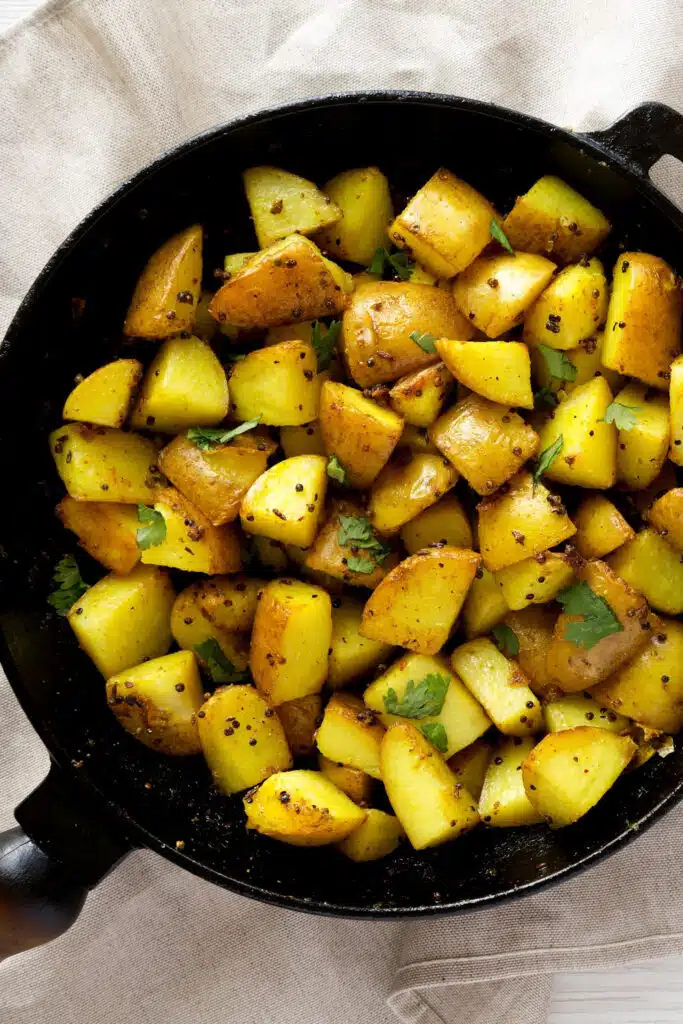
(643, 135)
(62, 849)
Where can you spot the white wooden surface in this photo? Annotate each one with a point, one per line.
(645, 994)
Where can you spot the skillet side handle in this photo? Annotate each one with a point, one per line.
(643, 135)
(63, 848)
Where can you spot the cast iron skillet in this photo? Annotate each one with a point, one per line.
(106, 794)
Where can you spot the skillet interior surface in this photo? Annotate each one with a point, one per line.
(71, 323)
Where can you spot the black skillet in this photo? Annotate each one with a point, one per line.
(106, 794)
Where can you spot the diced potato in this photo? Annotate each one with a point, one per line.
(642, 451)
(469, 766)
(643, 500)
(588, 456)
(185, 386)
(350, 734)
(290, 282)
(215, 480)
(290, 640)
(525, 510)
(445, 225)
(443, 523)
(229, 602)
(306, 439)
(495, 291)
(600, 527)
(279, 384)
(586, 359)
(499, 685)
(651, 565)
(291, 332)
(235, 261)
(328, 555)
(503, 802)
(351, 656)
(417, 603)
(191, 542)
(487, 443)
(302, 808)
(357, 785)
(418, 398)
(422, 789)
(533, 629)
(551, 218)
(461, 716)
(485, 605)
(287, 501)
(191, 629)
(106, 531)
(568, 772)
(643, 330)
(649, 688)
(379, 321)
(497, 370)
(157, 702)
(104, 464)
(300, 718)
(270, 553)
(676, 410)
(282, 203)
(361, 433)
(666, 515)
(167, 292)
(258, 439)
(104, 397)
(416, 440)
(405, 488)
(377, 837)
(533, 581)
(362, 195)
(576, 709)
(123, 620)
(574, 667)
(205, 326)
(572, 308)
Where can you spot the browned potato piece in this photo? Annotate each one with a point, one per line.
(418, 398)
(357, 785)
(302, 808)
(445, 522)
(377, 325)
(106, 531)
(104, 397)
(533, 628)
(495, 291)
(487, 443)
(191, 542)
(361, 433)
(300, 719)
(663, 482)
(191, 629)
(281, 203)
(552, 219)
(521, 521)
(290, 282)
(287, 501)
(600, 527)
(229, 602)
(666, 515)
(258, 440)
(405, 488)
(330, 556)
(167, 293)
(350, 734)
(104, 464)
(417, 603)
(577, 668)
(377, 837)
(497, 370)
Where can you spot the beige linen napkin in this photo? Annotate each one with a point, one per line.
(90, 90)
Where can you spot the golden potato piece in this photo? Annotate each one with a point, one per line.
(191, 542)
(167, 293)
(586, 359)
(230, 602)
(287, 501)
(104, 397)
(588, 455)
(600, 527)
(306, 439)
(363, 197)
(497, 370)
(503, 802)
(553, 219)
(185, 386)
(533, 581)
(351, 655)
(676, 409)
(423, 791)
(666, 517)
(499, 685)
(334, 553)
(495, 291)
(568, 772)
(469, 766)
(350, 734)
(106, 531)
(377, 837)
(574, 709)
(642, 450)
(405, 488)
(416, 439)
(300, 718)
(302, 808)
(484, 606)
(643, 500)
(419, 397)
(157, 702)
(357, 785)
(572, 308)
(104, 464)
(445, 225)
(533, 630)
(278, 384)
(191, 629)
(653, 566)
(204, 327)
(442, 523)
(282, 203)
(361, 433)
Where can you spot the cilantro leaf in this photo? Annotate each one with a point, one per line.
(356, 532)
(559, 366)
(397, 261)
(436, 734)
(219, 667)
(71, 585)
(506, 641)
(154, 530)
(624, 417)
(357, 564)
(324, 340)
(425, 341)
(497, 232)
(546, 459)
(597, 618)
(207, 438)
(545, 396)
(418, 701)
(336, 471)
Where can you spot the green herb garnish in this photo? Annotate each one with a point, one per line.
(70, 587)
(207, 438)
(597, 618)
(559, 366)
(436, 734)
(396, 261)
(418, 701)
(506, 641)
(219, 667)
(546, 459)
(324, 340)
(368, 552)
(497, 232)
(624, 417)
(336, 471)
(425, 341)
(154, 530)
(545, 397)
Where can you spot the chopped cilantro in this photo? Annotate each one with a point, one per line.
(207, 438)
(154, 530)
(71, 585)
(418, 701)
(597, 618)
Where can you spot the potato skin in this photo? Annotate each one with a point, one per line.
(533, 627)
(300, 718)
(361, 433)
(302, 808)
(105, 530)
(174, 269)
(104, 397)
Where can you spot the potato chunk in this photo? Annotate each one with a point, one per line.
(534, 581)
(443, 523)
(350, 734)
(572, 308)
(586, 359)
(167, 292)
(643, 330)
(666, 515)
(306, 439)
(282, 203)
(300, 719)
(290, 640)
(123, 620)
(588, 456)
(361, 433)
(377, 326)
(495, 291)
(302, 808)
(568, 772)
(423, 791)
(499, 685)
(487, 443)
(576, 709)
(445, 225)
(185, 386)
(676, 410)
(527, 511)
(418, 398)
(191, 542)
(600, 527)
(351, 656)
(104, 397)
(416, 604)
(103, 464)
(228, 601)
(503, 802)
(651, 565)
(553, 219)
(329, 555)
(106, 531)
(157, 702)
(484, 606)
(279, 384)
(497, 370)
(533, 630)
(191, 629)
(287, 501)
(469, 766)
(377, 837)
(405, 488)
(357, 785)
(362, 196)
(642, 450)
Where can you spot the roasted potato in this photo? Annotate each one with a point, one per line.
(106, 531)
(653, 566)
(282, 203)
(377, 837)
(405, 488)
(104, 397)
(552, 219)
(191, 630)
(300, 718)
(469, 766)
(442, 523)
(536, 580)
(497, 370)
(350, 734)
(418, 398)
(416, 439)
(359, 432)
(574, 709)
(643, 446)
(302, 808)
(279, 385)
(572, 308)
(334, 553)
(362, 196)
(586, 359)
(503, 802)
(600, 527)
(532, 628)
(306, 439)
(499, 685)
(229, 602)
(666, 517)
(587, 456)
(190, 542)
(357, 785)
(167, 293)
(185, 386)
(484, 606)
(351, 655)
(676, 410)
(104, 464)
(287, 502)
(495, 291)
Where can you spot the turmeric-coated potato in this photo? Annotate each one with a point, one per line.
(495, 291)
(499, 685)
(357, 785)
(587, 453)
(278, 384)
(484, 605)
(351, 655)
(532, 633)
(574, 709)
(650, 564)
(104, 397)
(350, 734)
(534, 581)
(503, 802)
(586, 359)
(443, 523)
(644, 441)
(230, 602)
(676, 410)
(105, 530)
(306, 439)
(105, 464)
(554, 220)
(600, 527)
(300, 719)
(497, 370)
(191, 630)
(185, 386)
(573, 307)
(361, 433)
(666, 515)
(287, 502)
(302, 808)
(405, 488)
(362, 195)
(469, 765)
(282, 203)
(335, 552)
(190, 542)
(419, 396)
(416, 439)
(167, 293)
(377, 837)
